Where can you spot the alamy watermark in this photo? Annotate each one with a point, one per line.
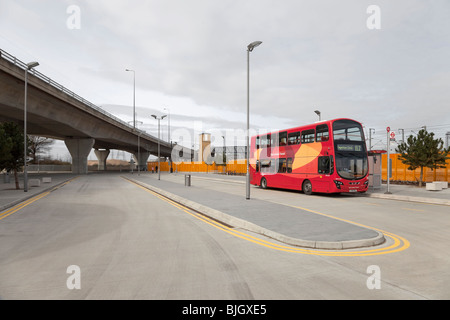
(374, 20)
(374, 280)
(74, 280)
(73, 22)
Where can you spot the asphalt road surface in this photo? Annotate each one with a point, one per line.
(103, 237)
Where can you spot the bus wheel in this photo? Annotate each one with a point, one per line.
(307, 187)
(263, 183)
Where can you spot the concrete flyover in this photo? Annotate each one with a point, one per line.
(56, 112)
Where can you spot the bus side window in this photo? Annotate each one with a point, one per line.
(326, 165)
(294, 138)
(265, 165)
(257, 142)
(322, 133)
(282, 165)
(289, 165)
(257, 165)
(274, 140)
(282, 138)
(308, 136)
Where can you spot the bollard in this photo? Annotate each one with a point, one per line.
(6, 177)
(187, 180)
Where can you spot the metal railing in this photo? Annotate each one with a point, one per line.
(5, 55)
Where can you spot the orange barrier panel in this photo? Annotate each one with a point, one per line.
(400, 171)
(232, 167)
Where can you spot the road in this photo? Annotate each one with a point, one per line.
(128, 243)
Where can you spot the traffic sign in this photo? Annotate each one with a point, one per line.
(388, 129)
(392, 135)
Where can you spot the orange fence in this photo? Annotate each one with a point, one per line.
(233, 167)
(400, 171)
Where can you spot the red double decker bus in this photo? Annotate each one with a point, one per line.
(324, 157)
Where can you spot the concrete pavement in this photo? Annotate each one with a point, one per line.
(411, 194)
(306, 229)
(10, 197)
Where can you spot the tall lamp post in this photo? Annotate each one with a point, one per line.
(168, 110)
(134, 97)
(168, 140)
(250, 48)
(30, 66)
(318, 113)
(370, 137)
(159, 127)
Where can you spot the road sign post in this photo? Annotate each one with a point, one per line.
(388, 157)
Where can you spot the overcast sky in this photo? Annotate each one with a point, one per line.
(190, 57)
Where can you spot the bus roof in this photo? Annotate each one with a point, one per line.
(306, 126)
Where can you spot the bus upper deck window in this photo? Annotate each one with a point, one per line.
(294, 138)
(322, 133)
(282, 138)
(308, 136)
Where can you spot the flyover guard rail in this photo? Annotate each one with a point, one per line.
(7, 56)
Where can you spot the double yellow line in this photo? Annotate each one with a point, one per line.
(22, 205)
(398, 243)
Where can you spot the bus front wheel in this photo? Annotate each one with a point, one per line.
(263, 183)
(307, 187)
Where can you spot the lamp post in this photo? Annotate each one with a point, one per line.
(370, 137)
(134, 97)
(168, 110)
(250, 48)
(318, 113)
(30, 66)
(168, 140)
(159, 127)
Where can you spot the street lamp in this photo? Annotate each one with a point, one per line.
(30, 66)
(168, 110)
(159, 127)
(318, 113)
(134, 97)
(370, 137)
(250, 48)
(169, 141)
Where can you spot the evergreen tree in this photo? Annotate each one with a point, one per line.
(13, 160)
(5, 147)
(423, 151)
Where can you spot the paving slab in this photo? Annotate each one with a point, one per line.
(284, 223)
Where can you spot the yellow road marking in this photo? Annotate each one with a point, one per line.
(22, 205)
(399, 243)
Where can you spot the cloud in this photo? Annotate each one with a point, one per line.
(191, 56)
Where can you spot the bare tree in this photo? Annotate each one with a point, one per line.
(39, 145)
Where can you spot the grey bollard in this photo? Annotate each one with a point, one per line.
(187, 180)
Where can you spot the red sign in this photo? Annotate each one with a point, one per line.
(392, 135)
(388, 129)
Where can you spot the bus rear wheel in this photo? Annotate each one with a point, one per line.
(307, 187)
(263, 183)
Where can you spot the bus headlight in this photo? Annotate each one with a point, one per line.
(338, 184)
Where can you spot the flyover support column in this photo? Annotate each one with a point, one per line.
(79, 150)
(102, 155)
(141, 159)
